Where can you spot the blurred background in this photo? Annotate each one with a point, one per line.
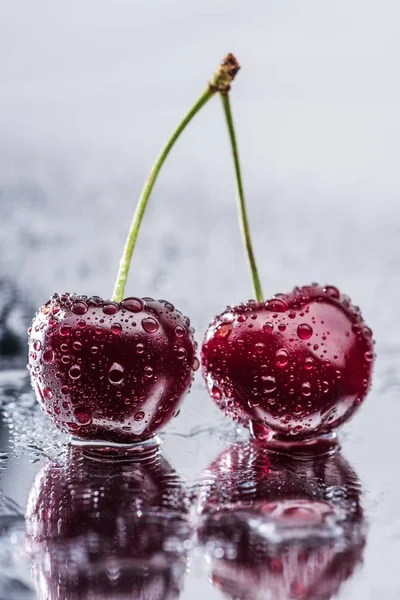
(90, 90)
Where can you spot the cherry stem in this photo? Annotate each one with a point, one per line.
(220, 82)
(243, 219)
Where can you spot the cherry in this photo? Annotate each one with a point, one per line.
(110, 371)
(99, 528)
(276, 527)
(116, 370)
(299, 364)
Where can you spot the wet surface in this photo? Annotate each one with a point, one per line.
(316, 106)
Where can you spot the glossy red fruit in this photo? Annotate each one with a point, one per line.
(299, 364)
(107, 529)
(110, 371)
(275, 527)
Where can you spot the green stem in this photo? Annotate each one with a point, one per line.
(220, 82)
(130, 243)
(244, 222)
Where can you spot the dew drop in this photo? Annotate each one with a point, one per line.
(216, 392)
(369, 357)
(81, 324)
(47, 393)
(304, 331)
(271, 401)
(292, 314)
(282, 327)
(180, 331)
(110, 308)
(181, 353)
(65, 330)
(82, 417)
(259, 348)
(150, 325)
(116, 329)
(308, 363)
(332, 291)
(66, 359)
(65, 390)
(268, 327)
(281, 358)
(133, 304)
(48, 356)
(148, 372)
(77, 345)
(242, 318)
(196, 363)
(116, 373)
(80, 308)
(37, 344)
(269, 383)
(139, 416)
(139, 348)
(367, 332)
(75, 372)
(306, 389)
(276, 305)
(224, 331)
(94, 349)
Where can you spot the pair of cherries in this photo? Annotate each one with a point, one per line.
(298, 364)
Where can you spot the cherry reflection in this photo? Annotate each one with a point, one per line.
(99, 528)
(277, 528)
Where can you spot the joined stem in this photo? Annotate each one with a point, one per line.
(243, 219)
(220, 82)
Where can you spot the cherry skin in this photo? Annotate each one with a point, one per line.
(108, 371)
(299, 364)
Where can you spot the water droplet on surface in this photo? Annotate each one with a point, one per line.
(81, 324)
(139, 416)
(369, 356)
(268, 327)
(80, 308)
(75, 372)
(65, 390)
(82, 417)
(77, 346)
(276, 305)
(269, 383)
(148, 372)
(304, 331)
(308, 363)
(116, 373)
(242, 318)
(37, 344)
(133, 304)
(65, 330)
(224, 331)
(150, 325)
(47, 393)
(259, 348)
(94, 349)
(216, 392)
(281, 358)
(196, 363)
(180, 331)
(111, 308)
(116, 328)
(139, 348)
(292, 314)
(306, 389)
(48, 356)
(181, 353)
(332, 291)
(282, 327)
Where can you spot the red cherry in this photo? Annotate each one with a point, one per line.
(299, 364)
(276, 527)
(110, 371)
(107, 528)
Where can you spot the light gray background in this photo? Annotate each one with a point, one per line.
(89, 90)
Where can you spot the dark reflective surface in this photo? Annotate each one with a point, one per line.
(280, 529)
(98, 528)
